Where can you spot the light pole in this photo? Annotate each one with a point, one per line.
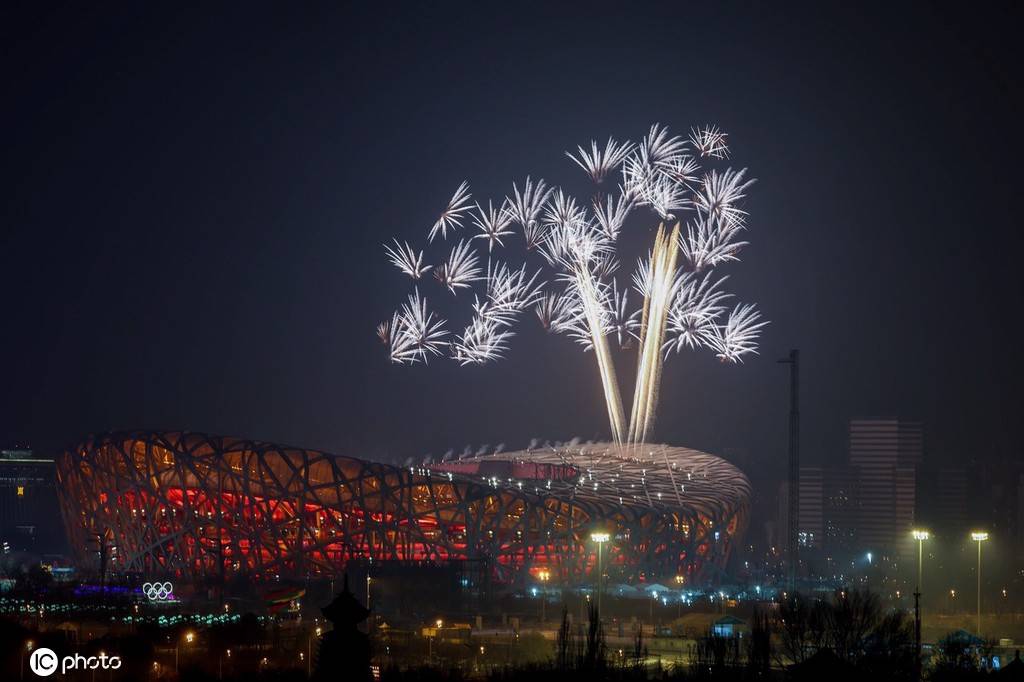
(543, 575)
(369, 622)
(220, 663)
(979, 537)
(189, 636)
(600, 538)
(920, 536)
(430, 641)
(28, 649)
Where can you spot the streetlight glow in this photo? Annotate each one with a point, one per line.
(979, 536)
(921, 535)
(600, 537)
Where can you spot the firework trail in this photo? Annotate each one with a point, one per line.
(662, 280)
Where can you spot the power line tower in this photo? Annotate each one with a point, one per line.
(793, 490)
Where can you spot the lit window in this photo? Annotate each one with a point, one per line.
(21, 491)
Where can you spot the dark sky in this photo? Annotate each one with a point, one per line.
(194, 203)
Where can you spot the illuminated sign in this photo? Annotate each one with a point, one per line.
(158, 591)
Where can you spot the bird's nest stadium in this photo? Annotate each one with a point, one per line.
(191, 505)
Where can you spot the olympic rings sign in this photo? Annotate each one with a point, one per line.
(158, 591)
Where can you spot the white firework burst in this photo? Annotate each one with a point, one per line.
(696, 305)
(562, 211)
(452, 216)
(416, 333)
(710, 142)
(719, 195)
(402, 348)
(597, 162)
(643, 276)
(461, 269)
(638, 173)
(555, 311)
(657, 145)
(681, 169)
(575, 244)
(611, 214)
(738, 336)
(482, 341)
(493, 223)
(407, 259)
(592, 315)
(606, 266)
(707, 244)
(525, 209)
(512, 290)
(486, 310)
(664, 197)
(384, 329)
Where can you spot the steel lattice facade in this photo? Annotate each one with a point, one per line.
(189, 505)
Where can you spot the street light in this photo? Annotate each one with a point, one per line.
(920, 536)
(189, 636)
(309, 651)
(430, 640)
(979, 536)
(600, 538)
(28, 649)
(543, 575)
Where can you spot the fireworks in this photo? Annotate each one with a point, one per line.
(695, 309)
(598, 163)
(574, 293)
(738, 336)
(416, 333)
(658, 146)
(526, 207)
(611, 214)
(493, 224)
(511, 290)
(720, 194)
(460, 270)
(710, 142)
(407, 259)
(661, 286)
(482, 341)
(451, 217)
(556, 312)
(708, 243)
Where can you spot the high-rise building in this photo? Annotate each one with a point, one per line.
(886, 453)
(28, 503)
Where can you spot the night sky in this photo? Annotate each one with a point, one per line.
(194, 204)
